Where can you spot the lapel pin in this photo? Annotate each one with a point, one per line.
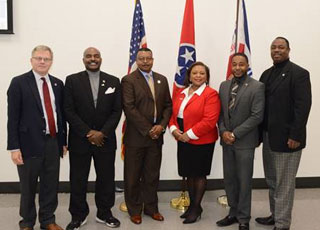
(158, 81)
(55, 84)
(283, 75)
(246, 84)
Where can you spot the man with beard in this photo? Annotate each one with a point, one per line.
(242, 106)
(288, 103)
(93, 109)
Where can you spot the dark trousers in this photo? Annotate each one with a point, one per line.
(238, 170)
(46, 169)
(104, 188)
(141, 178)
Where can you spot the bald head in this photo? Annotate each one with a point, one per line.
(92, 59)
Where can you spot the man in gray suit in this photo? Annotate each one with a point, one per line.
(242, 107)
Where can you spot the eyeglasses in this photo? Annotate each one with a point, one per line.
(39, 59)
(147, 59)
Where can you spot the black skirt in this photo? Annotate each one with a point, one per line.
(194, 160)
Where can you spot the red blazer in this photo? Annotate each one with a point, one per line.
(201, 114)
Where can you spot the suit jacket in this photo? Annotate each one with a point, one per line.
(247, 112)
(138, 106)
(83, 116)
(26, 122)
(289, 105)
(200, 114)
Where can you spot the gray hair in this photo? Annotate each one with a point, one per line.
(42, 48)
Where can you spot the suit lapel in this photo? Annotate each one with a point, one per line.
(34, 88)
(243, 88)
(279, 79)
(87, 87)
(143, 83)
(104, 84)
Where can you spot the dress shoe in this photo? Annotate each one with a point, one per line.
(136, 219)
(244, 226)
(110, 221)
(228, 220)
(156, 216)
(265, 220)
(52, 226)
(76, 224)
(26, 228)
(194, 216)
(275, 228)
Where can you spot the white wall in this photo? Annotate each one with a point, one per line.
(68, 27)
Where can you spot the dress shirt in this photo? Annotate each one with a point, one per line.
(52, 98)
(94, 78)
(185, 101)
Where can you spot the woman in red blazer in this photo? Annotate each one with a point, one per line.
(193, 123)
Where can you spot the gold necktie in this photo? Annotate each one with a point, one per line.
(151, 85)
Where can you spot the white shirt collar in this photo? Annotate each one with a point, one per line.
(38, 76)
(198, 91)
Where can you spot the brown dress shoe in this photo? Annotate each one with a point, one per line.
(156, 216)
(136, 219)
(52, 226)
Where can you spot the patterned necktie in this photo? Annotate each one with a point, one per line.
(151, 85)
(48, 107)
(233, 95)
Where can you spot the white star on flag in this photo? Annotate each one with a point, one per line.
(188, 56)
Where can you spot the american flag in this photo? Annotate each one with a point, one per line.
(138, 40)
(138, 36)
(187, 51)
(241, 34)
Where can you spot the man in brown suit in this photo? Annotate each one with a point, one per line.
(147, 106)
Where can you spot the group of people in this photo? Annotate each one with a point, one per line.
(247, 112)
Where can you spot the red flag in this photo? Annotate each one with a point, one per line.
(240, 39)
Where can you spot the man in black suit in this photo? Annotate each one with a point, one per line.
(288, 103)
(37, 138)
(93, 109)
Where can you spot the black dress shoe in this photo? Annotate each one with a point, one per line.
(275, 228)
(244, 226)
(265, 220)
(228, 220)
(110, 221)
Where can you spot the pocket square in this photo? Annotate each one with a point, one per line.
(110, 90)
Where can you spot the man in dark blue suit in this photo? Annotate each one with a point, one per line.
(37, 138)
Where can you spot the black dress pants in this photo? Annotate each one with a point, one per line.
(44, 168)
(104, 188)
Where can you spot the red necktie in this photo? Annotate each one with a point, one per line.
(48, 106)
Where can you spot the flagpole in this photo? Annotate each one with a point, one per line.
(237, 22)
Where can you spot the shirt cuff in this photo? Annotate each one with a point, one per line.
(14, 150)
(191, 135)
(172, 128)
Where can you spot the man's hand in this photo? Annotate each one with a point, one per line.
(64, 150)
(292, 144)
(16, 157)
(228, 138)
(95, 137)
(184, 138)
(155, 132)
(177, 133)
